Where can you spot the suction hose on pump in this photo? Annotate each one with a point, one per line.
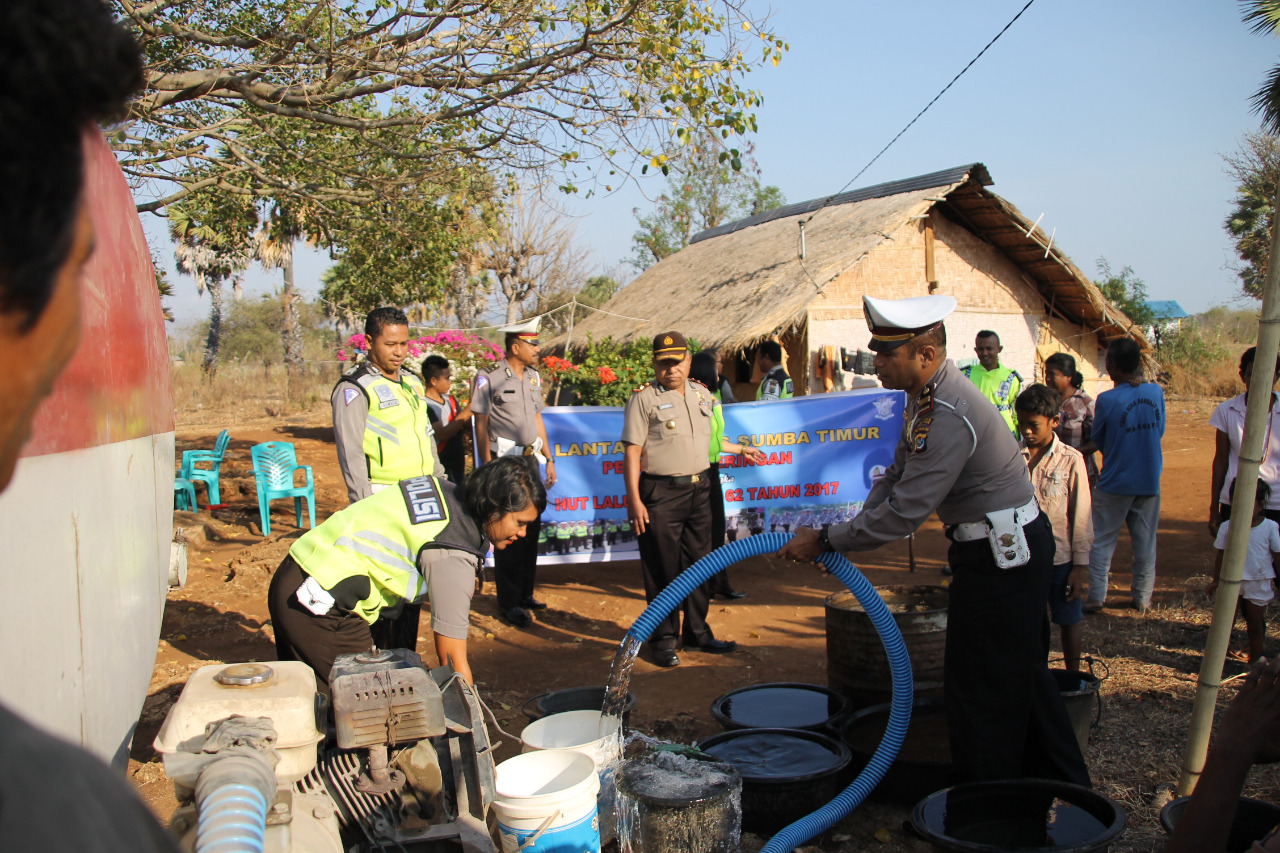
(232, 795)
(895, 649)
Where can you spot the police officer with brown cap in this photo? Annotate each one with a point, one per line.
(667, 433)
(957, 456)
(507, 405)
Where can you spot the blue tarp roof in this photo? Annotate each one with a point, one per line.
(1166, 309)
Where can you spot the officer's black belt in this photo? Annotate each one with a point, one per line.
(683, 478)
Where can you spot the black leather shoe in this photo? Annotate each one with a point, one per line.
(519, 617)
(732, 595)
(531, 603)
(666, 657)
(714, 647)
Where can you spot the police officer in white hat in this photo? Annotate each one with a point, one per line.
(957, 457)
(507, 405)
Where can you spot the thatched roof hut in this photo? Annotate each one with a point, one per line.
(798, 273)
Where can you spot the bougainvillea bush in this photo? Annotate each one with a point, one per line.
(467, 354)
(604, 374)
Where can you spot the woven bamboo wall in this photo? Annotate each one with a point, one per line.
(992, 292)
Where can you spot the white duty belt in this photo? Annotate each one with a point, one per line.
(1002, 528)
(507, 447)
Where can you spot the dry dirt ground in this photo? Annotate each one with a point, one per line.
(1153, 659)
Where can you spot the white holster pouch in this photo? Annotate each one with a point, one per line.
(1008, 539)
(1004, 532)
(314, 597)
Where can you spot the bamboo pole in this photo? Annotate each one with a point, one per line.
(1251, 452)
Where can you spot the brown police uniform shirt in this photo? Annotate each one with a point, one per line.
(955, 455)
(673, 428)
(512, 402)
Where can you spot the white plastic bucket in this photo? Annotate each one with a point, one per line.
(546, 803)
(576, 730)
(579, 731)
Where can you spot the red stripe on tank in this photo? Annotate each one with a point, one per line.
(116, 387)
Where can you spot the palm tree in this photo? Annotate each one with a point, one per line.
(273, 248)
(210, 259)
(1249, 222)
(1263, 17)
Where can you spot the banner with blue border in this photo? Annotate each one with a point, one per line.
(823, 452)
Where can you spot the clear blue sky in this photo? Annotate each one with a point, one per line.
(1110, 118)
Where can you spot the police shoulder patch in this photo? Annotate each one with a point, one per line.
(920, 434)
(350, 394)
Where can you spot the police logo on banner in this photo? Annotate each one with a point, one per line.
(422, 500)
(884, 408)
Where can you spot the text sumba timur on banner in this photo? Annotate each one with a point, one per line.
(823, 452)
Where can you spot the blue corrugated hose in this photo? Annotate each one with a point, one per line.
(899, 667)
(232, 820)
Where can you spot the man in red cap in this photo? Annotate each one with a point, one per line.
(667, 433)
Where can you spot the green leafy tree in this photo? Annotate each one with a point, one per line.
(419, 247)
(598, 290)
(236, 91)
(707, 185)
(1125, 291)
(1255, 167)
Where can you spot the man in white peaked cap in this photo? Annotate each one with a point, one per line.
(957, 457)
(507, 405)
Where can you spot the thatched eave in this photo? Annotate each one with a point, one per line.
(745, 281)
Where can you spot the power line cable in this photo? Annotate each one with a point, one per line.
(870, 163)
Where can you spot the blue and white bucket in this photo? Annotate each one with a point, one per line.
(546, 803)
(593, 735)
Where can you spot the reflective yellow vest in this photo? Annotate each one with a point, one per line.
(776, 384)
(366, 556)
(1001, 386)
(397, 431)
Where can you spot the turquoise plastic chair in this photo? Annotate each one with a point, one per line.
(184, 494)
(275, 464)
(208, 476)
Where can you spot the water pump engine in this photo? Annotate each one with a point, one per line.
(406, 763)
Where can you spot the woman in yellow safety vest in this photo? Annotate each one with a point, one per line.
(423, 538)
